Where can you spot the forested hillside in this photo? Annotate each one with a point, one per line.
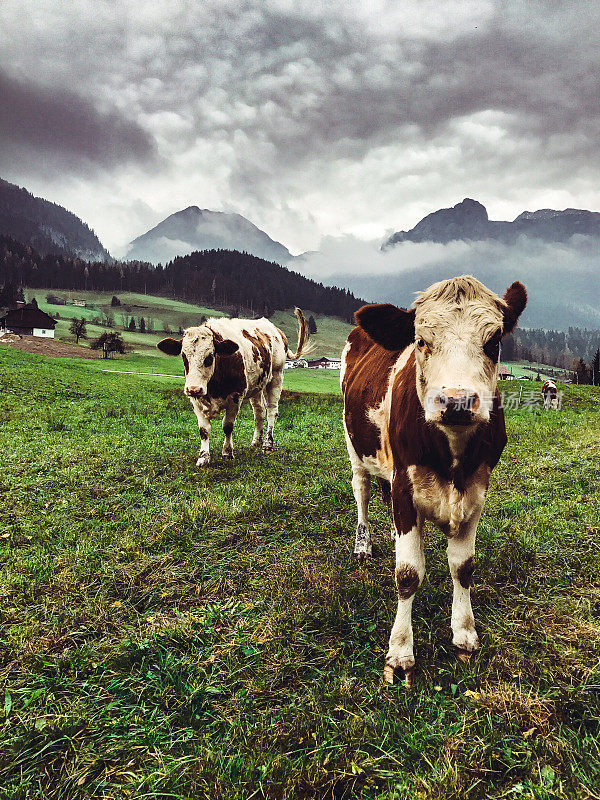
(46, 226)
(224, 278)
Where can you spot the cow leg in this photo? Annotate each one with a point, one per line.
(272, 394)
(258, 407)
(204, 426)
(410, 571)
(461, 552)
(231, 413)
(361, 487)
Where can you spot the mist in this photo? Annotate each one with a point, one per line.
(562, 279)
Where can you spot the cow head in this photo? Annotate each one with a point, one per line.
(199, 349)
(456, 326)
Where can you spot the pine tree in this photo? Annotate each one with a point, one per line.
(595, 367)
(131, 325)
(142, 325)
(312, 325)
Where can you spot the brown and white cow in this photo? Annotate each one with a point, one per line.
(227, 361)
(422, 414)
(550, 395)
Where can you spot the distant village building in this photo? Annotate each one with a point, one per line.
(298, 364)
(80, 303)
(27, 320)
(505, 373)
(325, 362)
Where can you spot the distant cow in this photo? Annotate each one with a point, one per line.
(422, 413)
(550, 395)
(227, 361)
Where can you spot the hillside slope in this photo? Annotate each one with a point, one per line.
(47, 227)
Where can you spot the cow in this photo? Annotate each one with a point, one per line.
(227, 361)
(422, 413)
(550, 395)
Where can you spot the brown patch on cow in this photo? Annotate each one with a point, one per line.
(366, 376)
(261, 352)
(284, 339)
(465, 573)
(228, 377)
(386, 490)
(203, 434)
(403, 509)
(407, 581)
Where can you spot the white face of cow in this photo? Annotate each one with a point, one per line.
(457, 326)
(199, 350)
(457, 347)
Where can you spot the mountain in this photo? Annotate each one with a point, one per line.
(200, 229)
(469, 221)
(47, 227)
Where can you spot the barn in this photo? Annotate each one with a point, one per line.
(27, 320)
(324, 363)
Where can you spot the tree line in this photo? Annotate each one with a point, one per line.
(218, 278)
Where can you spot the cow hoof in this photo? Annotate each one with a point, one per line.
(203, 461)
(228, 455)
(267, 448)
(463, 655)
(466, 642)
(362, 558)
(409, 675)
(257, 443)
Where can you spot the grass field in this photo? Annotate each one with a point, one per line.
(329, 340)
(168, 632)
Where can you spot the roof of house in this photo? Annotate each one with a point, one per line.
(27, 317)
(504, 368)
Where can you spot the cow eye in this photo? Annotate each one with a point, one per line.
(492, 347)
(208, 360)
(421, 343)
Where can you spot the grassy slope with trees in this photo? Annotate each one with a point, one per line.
(175, 633)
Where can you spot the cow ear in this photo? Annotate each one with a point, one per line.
(515, 298)
(226, 347)
(172, 347)
(388, 325)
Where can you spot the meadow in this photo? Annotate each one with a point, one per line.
(165, 313)
(169, 632)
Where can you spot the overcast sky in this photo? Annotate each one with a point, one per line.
(310, 118)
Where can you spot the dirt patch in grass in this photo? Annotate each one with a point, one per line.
(46, 347)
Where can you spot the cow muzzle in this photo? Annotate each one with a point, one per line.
(450, 406)
(194, 391)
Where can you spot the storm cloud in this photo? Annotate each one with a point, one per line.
(318, 118)
(39, 123)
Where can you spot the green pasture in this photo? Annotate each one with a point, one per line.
(170, 632)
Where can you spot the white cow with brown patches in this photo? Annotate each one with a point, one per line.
(550, 395)
(422, 414)
(227, 361)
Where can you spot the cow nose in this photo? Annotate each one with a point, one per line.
(194, 391)
(457, 400)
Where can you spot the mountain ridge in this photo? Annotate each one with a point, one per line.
(469, 221)
(46, 226)
(195, 229)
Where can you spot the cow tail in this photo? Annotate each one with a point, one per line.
(302, 336)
